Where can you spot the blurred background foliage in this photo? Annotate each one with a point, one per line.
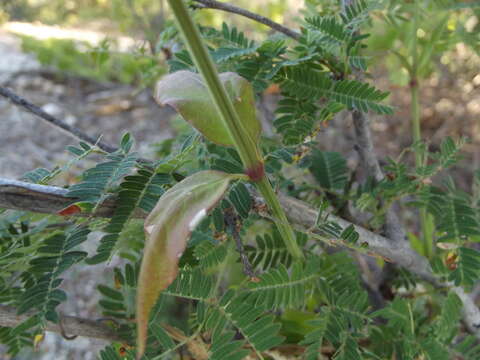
(140, 20)
(441, 30)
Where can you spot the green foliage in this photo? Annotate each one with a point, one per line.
(105, 176)
(309, 83)
(54, 258)
(329, 169)
(44, 176)
(343, 314)
(210, 255)
(94, 62)
(216, 307)
(455, 217)
(279, 289)
(269, 252)
(142, 191)
(442, 27)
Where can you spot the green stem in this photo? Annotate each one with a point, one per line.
(246, 147)
(415, 114)
(416, 126)
(279, 217)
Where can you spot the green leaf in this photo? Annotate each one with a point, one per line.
(329, 169)
(304, 82)
(187, 93)
(167, 230)
(448, 319)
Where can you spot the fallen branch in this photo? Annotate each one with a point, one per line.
(71, 325)
(212, 4)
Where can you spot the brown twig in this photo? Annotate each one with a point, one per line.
(212, 4)
(231, 221)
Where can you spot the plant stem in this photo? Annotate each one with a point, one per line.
(415, 114)
(246, 147)
(279, 217)
(416, 127)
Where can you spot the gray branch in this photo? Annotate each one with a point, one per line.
(19, 195)
(71, 325)
(212, 4)
(49, 199)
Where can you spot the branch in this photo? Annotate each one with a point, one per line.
(364, 146)
(34, 109)
(212, 4)
(19, 195)
(25, 196)
(71, 325)
(49, 199)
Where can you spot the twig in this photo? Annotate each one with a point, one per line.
(212, 4)
(231, 221)
(70, 324)
(73, 131)
(393, 228)
(34, 109)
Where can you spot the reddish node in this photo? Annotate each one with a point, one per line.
(256, 173)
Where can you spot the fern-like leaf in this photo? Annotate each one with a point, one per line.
(141, 190)
(278, 288)
(357, 12)
(308, 83)
(455, 218)
(105, 176)
(330, 31)
(260, 332)
(329, 169)
(448, 319)
(44, 176)
(56, 257)
(209, 254)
